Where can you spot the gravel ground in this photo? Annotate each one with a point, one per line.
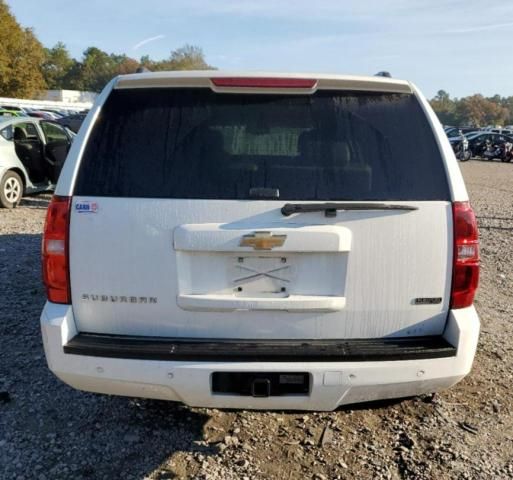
(50, 431)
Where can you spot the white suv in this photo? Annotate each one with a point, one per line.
(260, 241)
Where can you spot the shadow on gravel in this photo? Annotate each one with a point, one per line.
(487, 227)
(64, 433)
(39, 201)
(354, 407)
(374, 405)
(51, 431)
(134, 437)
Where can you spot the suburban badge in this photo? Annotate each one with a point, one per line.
(92, 297)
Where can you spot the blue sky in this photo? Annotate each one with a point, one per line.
(461, 46)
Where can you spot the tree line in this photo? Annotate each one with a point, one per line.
(27, 67)
(475, 110)
(97, 67)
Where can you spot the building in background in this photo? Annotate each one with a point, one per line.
(68, 96)
(70, 100)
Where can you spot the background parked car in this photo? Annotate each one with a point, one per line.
(53, 113)
(454, 131)
(504, 131)
(5, 113)
(73, 122)
(32, 152)
(20, 110)
(477, 141)
(41, 114)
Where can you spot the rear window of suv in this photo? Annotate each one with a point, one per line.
(197, 144)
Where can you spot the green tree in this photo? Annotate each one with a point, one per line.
(96, 69)
(21, 57)
(444, 107)
(473, 110)
(57, 67)
(73, 79)
(188, 57)
(507, 102)
(443, 98)
(146, 61)
(124, 64)
(479, 111)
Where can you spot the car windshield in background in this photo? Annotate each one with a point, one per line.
(194, 143)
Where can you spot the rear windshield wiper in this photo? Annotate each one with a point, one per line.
(330, 209)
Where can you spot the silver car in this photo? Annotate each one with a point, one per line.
(32, 152)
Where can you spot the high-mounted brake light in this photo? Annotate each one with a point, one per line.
(55, 250)
(465, 276)
(262, 82)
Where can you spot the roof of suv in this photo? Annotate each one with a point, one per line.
(202, 78)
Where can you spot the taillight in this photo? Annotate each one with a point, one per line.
(465, 276)
(264, 82)
(55, 250)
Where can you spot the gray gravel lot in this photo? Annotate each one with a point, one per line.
(50, 431)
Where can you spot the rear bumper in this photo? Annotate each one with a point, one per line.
(333, 382)
(232, 350)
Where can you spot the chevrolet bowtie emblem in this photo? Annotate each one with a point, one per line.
(262, 240)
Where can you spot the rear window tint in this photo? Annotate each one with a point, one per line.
(194, 143)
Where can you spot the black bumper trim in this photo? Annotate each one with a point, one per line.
(197, 349)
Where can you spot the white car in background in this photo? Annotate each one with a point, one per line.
(32, 152)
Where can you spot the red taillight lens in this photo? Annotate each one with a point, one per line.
(466, 256)
(55, 250)
(262, 82)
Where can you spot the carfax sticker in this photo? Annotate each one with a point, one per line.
(86, 207)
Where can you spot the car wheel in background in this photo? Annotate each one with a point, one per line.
(11, 190)
(464, 157)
